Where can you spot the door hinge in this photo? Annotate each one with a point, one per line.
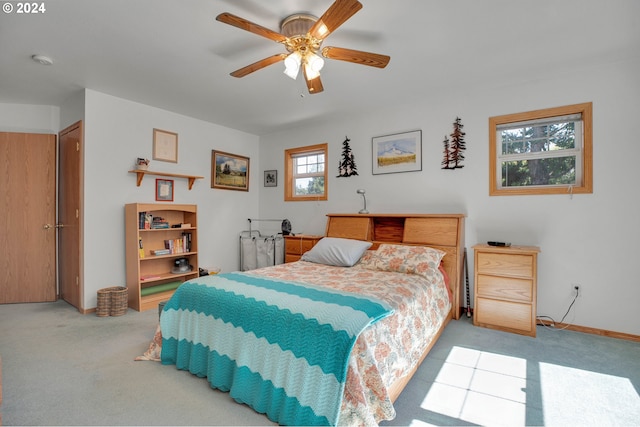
(77, 213)
(77, 145)
(77, 281)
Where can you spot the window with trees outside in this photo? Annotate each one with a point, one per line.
(541, 152)
(306, 173)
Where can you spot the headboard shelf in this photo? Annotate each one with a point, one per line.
(441, 231)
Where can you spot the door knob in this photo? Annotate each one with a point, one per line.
(60, 225)
(47, 226)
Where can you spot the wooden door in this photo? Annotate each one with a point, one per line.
(69, 215)
(27, 225)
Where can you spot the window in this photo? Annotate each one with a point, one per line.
(306, 173)
(541, 152)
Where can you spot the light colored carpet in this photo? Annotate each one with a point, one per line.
(64, 368)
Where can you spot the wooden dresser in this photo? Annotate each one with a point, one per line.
(506, 288)
(297, 245)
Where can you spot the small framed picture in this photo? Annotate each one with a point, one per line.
(164, 190)
(165, 146)
(401, 152)
(271, 178)
(229, 171)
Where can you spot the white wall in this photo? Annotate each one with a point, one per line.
(29, 118)
(72, 110)
(589, 239)
(118, 131)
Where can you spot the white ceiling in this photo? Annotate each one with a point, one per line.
(174, 55)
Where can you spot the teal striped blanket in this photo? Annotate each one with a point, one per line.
(280, 347)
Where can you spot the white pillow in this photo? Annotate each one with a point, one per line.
(336, 251)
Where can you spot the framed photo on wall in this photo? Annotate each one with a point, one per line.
(165, 146)
(229, 171)
(164, 190)
(400, 152)
(271, 178)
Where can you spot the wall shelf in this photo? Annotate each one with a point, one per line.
(142, 173)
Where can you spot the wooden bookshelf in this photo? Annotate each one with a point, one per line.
(148, 273)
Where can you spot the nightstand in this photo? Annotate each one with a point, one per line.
(297, 245)
(505, 280)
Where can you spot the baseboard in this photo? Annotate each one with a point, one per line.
(596, 331)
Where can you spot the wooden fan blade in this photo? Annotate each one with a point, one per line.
(314, 85)
(259, 65)
(243, 24)
(336, 15)
(357, 56)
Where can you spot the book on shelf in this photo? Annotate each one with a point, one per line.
(186, 237)
(160, 252)
(144, 220)
(180, 245)
(159, 222)
(140, 248)
(149, 277)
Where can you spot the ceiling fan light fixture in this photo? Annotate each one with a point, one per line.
(310, 72)
(315, 62)
(292, 65)
(302, 35)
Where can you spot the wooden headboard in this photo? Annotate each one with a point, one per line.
(440, 231)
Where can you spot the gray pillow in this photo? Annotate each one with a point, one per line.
(336, 251)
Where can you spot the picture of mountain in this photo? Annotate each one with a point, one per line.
(397, 153)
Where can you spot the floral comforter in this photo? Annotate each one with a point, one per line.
(387, 350)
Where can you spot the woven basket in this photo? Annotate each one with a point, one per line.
(119, 301)
(104, 302)
(113, 301)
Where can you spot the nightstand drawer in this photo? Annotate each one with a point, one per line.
(299, 246)
(296, 246)
(505, 264)
(504, 314)
(505, 288)
(291, 258)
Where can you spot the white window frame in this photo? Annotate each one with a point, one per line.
(580, 114)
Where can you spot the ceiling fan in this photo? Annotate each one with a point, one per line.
(302, 35)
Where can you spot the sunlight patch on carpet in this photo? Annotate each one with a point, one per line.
(480, 387)
(486, 388)
(601, 399)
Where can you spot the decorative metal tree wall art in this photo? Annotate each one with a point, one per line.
(347, 166)
(447, 153)
(454, 148)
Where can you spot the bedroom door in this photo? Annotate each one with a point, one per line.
(69, 215)
(28, 199)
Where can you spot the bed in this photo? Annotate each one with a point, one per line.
(387, 285)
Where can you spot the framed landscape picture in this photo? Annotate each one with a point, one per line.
(401, 152)
(229, 171)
